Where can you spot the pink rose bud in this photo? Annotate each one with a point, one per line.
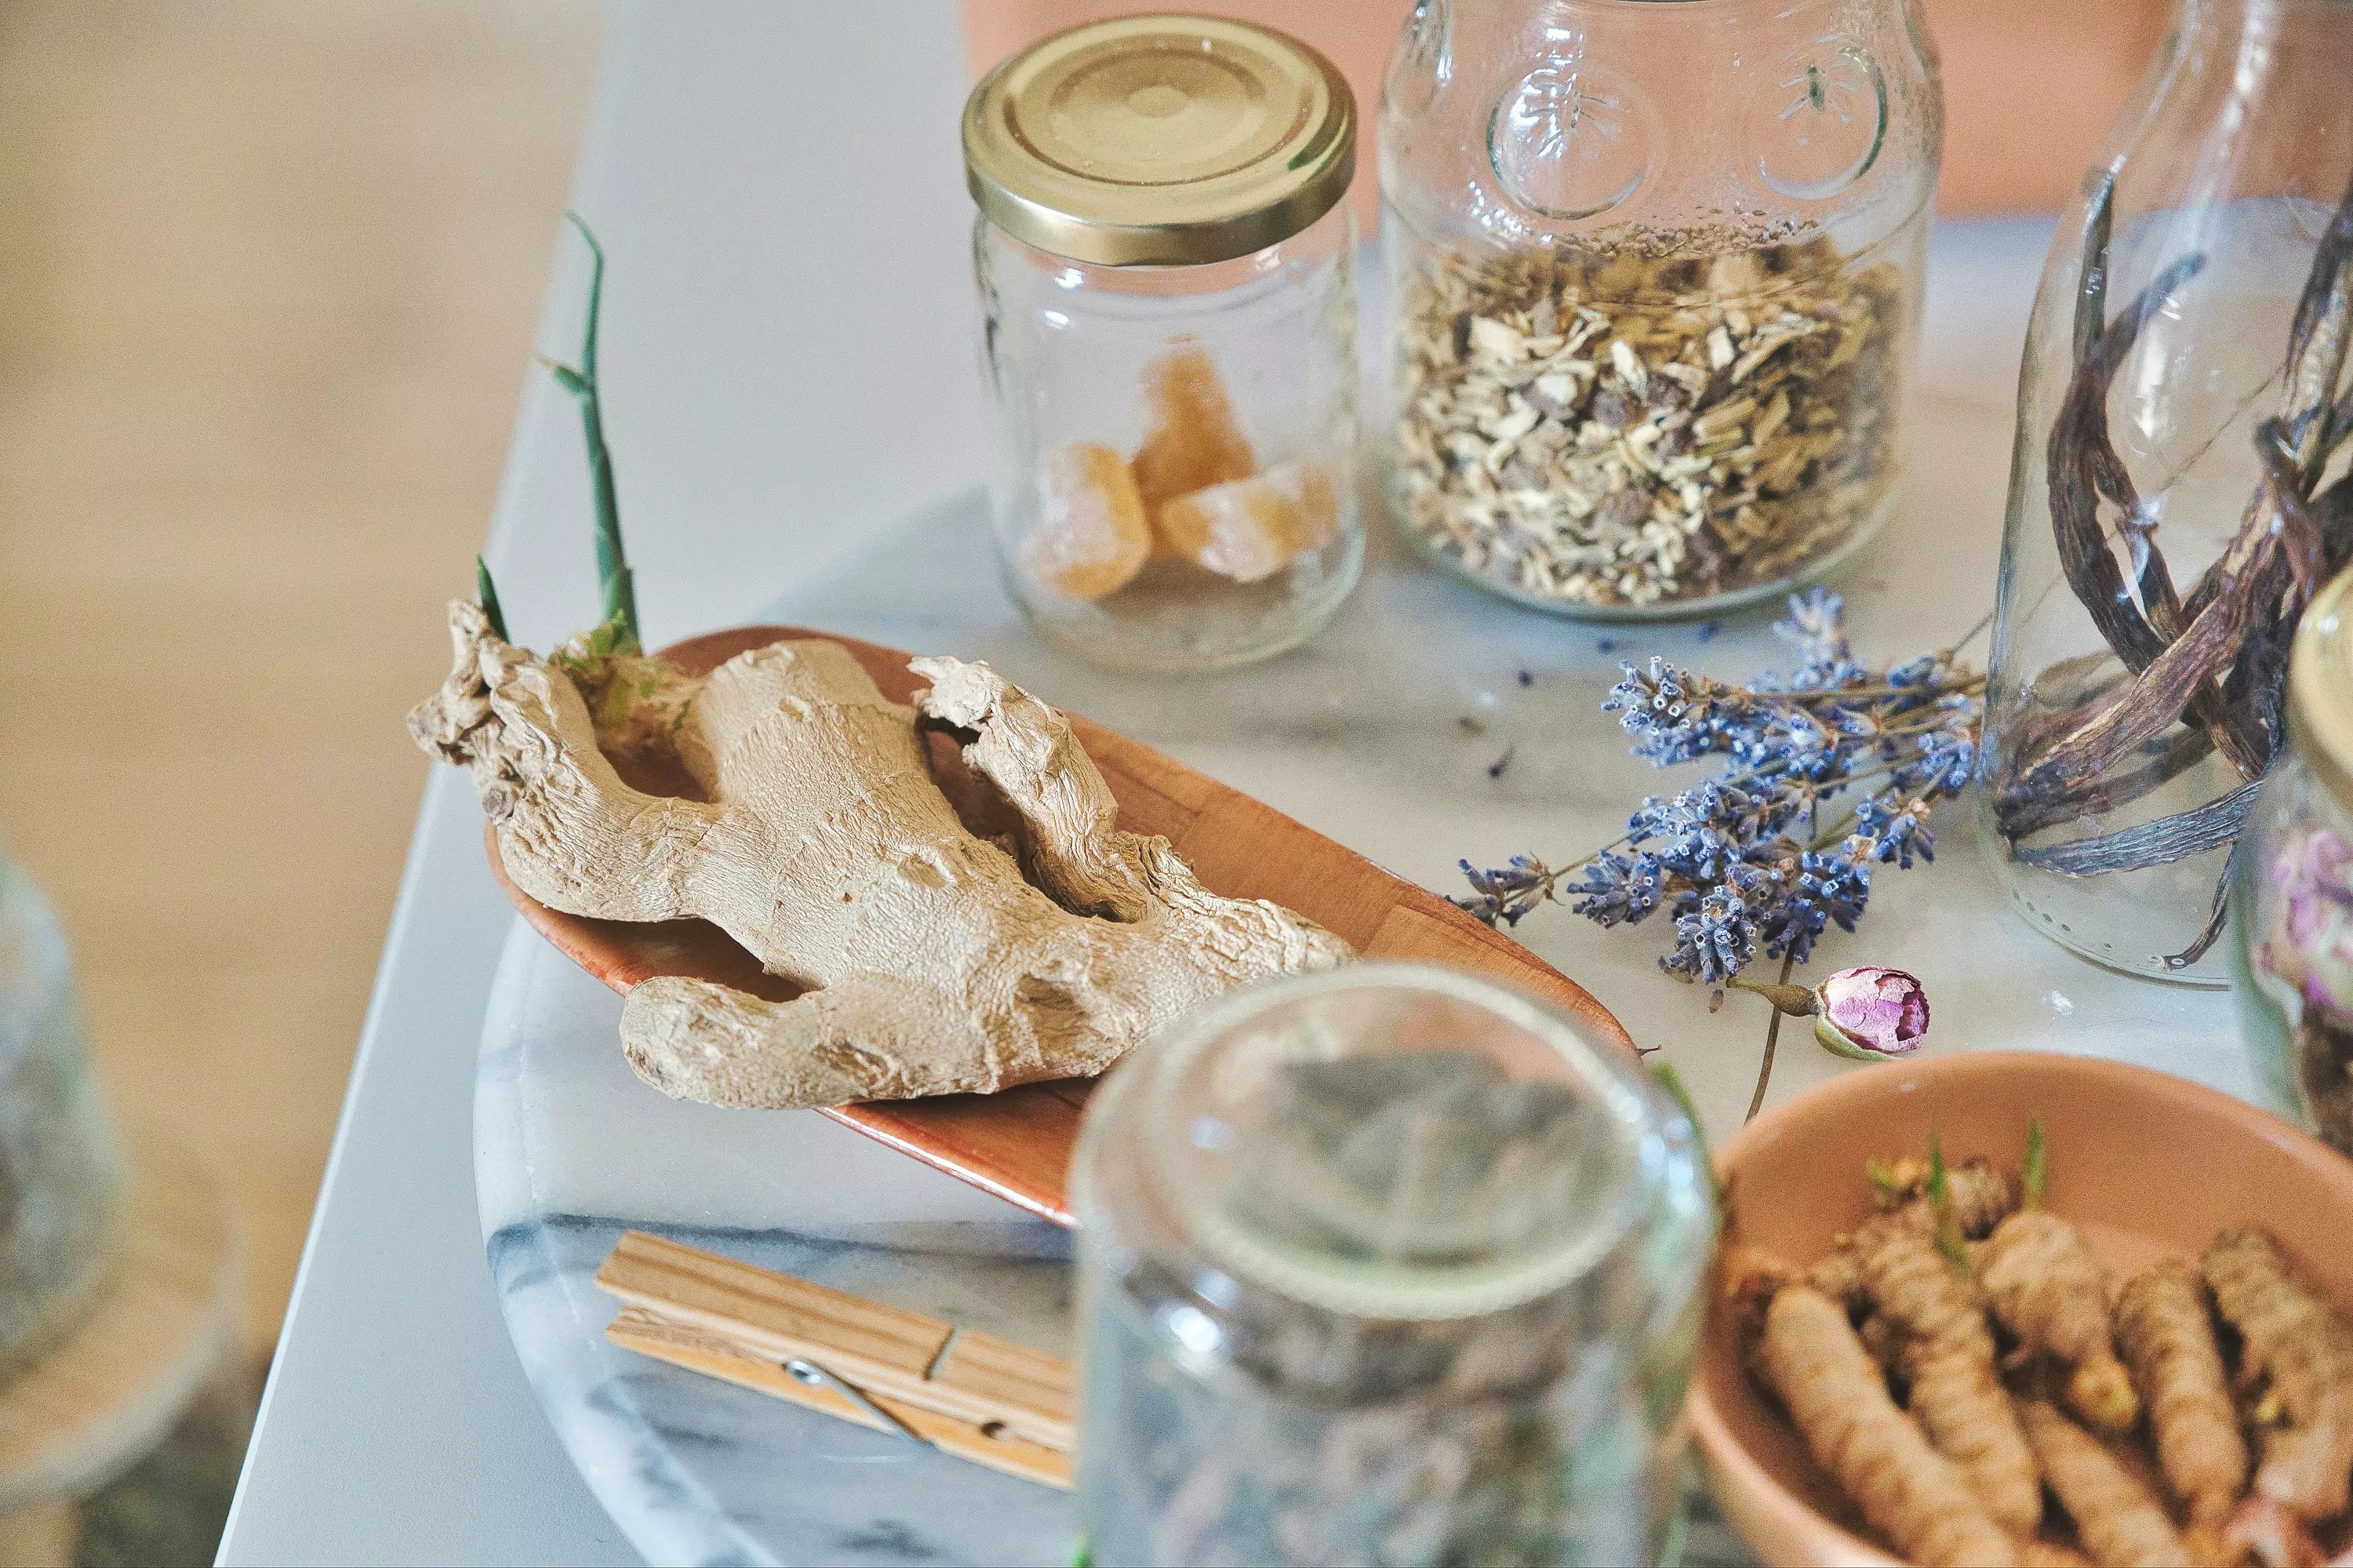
(1870, 1014)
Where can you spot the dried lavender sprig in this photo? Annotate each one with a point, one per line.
(1725, 858)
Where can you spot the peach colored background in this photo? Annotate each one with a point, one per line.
(2029, 84)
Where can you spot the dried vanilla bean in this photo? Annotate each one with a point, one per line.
(2160, 842)
(2105, 793)
(2214, 660)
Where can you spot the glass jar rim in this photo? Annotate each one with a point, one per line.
(1384, 1290)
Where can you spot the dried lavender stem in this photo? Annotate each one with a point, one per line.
(1772, 1040)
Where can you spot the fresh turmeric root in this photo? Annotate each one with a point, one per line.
(2169, 1341)
(2121, 1524)
(1980, 1196)
(2049, 1554)
(1946, 1355)
(2306, 1351)
(1807, 1354)
(2048, 1289)
(2272, 1536)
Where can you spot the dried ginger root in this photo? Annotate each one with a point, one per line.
(1807, 1354)
(1093, 535)
(2167, 1338)
(2119, 1522)
(2305, 1350)
(1194, 442)
(933, 961)
(1945, 1353)
(2048, 1289)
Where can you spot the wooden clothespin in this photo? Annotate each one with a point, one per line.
(968, 1394)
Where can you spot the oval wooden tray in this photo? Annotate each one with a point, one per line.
(1016, 1144)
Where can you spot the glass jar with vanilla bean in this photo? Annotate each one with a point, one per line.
(1655, 273)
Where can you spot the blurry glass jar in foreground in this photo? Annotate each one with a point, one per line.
(1656, 273)
(2292, 886)
(1388, 1266)
(1166, 271)
(60, 1174)
(1657, 280)
(2176, 492)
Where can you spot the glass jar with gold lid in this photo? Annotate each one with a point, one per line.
(1166, 271)
(2292, 886)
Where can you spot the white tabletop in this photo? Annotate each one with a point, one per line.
(787, 369)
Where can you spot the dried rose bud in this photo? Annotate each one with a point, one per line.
(1870, 1014)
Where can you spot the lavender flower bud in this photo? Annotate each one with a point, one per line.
(1870, 1014)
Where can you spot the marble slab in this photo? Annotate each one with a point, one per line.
(1360, 735)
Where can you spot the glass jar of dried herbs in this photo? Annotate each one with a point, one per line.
(2180, 491)
(1388, 1266)
(1643, 374)
(2292, 886)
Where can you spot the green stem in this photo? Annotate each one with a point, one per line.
(1772, 1040)
(486, 593)
(620, 594)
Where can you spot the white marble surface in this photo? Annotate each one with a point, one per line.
(1358, 734)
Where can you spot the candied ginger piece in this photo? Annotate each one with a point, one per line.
(1253, 528)
(1194, 442)
(1091, 537)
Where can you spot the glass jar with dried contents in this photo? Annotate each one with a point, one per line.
(1166, 269)
(1655, 270)
(2178, 489)
(2292, 886)
(1385, 1265)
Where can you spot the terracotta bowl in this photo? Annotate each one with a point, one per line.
(2146, 1164)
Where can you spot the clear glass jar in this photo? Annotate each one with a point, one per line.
(2162, 533)
(1385, 1265)
(2292, 889)
(1655, 272)
(1166, 271)
(60, 1173)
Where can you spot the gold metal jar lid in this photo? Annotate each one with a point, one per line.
(1160, 141)
(2320, 687)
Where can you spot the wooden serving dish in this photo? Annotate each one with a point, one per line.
(1016, 1144)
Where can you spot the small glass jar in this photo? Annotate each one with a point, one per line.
(2292, 886)
(1656, 278)
(1384, 1265)
(1166, 272)
(60, 1172)
(2174, 447)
